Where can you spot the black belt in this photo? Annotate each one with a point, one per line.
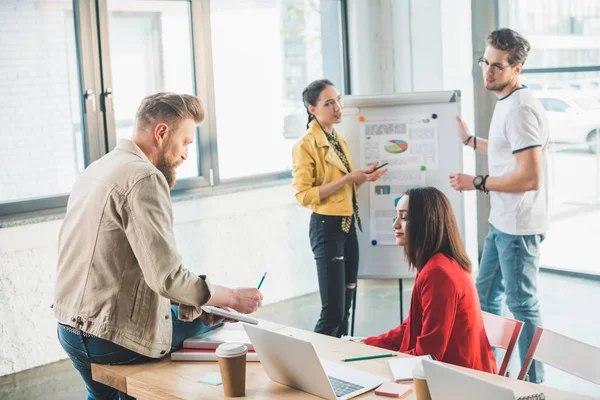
(76, 331)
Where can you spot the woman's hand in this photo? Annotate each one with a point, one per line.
(361, 176)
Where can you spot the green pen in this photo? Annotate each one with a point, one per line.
(261, 280)
(368, 357)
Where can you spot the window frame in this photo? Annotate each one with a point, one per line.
(91, 19)
(501, 10)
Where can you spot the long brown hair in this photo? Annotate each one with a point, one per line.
(431, 228)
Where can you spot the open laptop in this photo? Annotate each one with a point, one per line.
(447, 383)
(294, 362)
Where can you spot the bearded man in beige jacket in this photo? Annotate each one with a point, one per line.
(119, 271)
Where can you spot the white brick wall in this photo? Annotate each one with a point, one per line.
(36, 134)
(232, 238)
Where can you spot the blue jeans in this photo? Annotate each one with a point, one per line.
(509, 264)
(84, 350)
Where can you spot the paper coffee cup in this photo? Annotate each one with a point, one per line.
(232, 363)
(421, 388)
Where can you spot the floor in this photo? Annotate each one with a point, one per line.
(569, 306)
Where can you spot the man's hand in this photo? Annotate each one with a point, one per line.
(246, 300)
(361, 176)
(462, 181)
(211, 319)
(463, 129)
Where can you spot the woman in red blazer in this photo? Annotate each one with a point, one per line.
(445, 318)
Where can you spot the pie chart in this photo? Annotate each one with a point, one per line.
(396, 146)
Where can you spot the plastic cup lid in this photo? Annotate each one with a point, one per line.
(231, 350)
(418, 371)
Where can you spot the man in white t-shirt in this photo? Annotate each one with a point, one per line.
(517, 184)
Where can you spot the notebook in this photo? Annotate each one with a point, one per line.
(212, 340)
(232, 314)
(205, 355)
(402, 367)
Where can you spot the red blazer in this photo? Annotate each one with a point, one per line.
(444, 319)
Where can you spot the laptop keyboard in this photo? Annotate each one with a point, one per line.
(342, 388)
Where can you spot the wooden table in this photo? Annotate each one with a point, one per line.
(165, 379)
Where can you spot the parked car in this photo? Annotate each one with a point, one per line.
(545, 84)
(589, 86)
(572, 119)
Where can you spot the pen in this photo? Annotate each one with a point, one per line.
(368, 357)
(262, 280)
(379, 166)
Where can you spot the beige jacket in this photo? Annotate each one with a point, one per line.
(118, 264)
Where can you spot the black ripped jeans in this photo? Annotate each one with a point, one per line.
(336, 253)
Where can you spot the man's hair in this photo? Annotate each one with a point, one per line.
(511, 42)
(431, 228)
(170, 108)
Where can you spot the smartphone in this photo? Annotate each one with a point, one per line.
(379, 166)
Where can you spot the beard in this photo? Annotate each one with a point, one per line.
(497, 87)
(167, 169)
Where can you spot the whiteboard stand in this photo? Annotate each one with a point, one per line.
(400, 288)
(424, 120)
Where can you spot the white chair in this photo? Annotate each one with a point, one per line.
(562, 352)
(503, 334)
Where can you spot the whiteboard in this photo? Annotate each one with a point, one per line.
(439, 109)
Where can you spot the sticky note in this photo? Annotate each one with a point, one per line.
(392, 389)
(212, 379)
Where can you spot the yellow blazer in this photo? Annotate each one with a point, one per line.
(316, 164)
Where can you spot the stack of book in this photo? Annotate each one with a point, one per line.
(203, 347)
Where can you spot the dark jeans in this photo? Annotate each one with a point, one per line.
(336, 254)
(85, 350)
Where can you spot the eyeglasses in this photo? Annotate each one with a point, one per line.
(483, 63)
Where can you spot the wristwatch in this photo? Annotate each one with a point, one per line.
(479, 183)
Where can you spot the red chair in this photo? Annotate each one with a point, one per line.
(503, 334)
(562, 352)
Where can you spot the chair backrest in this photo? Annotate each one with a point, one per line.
(502, 333)
(562, 352)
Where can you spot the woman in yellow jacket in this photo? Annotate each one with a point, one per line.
(326, 183)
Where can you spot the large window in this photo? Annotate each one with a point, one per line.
(563, 33)
(41, 144)
(150, 51)
(72, 74)
(563, 70)
(259, 75)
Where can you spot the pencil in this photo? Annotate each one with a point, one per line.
(368, 357)
(262, 280)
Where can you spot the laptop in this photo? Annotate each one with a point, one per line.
(447, 383)
(294, 362)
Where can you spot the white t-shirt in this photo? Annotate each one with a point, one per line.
(519, 123)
